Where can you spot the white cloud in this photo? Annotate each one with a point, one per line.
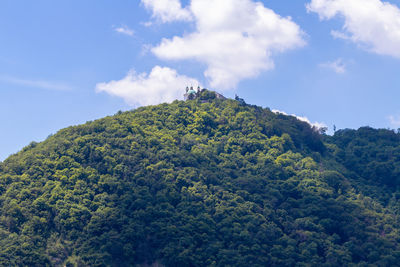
(394, 121)
(235, 39)
(318, 125)
(41, 84)
(340, 35)
(337, 66)
(167, 10)
(161, 85)
(125, 30)
(372, 24)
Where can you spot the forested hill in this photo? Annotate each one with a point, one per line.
(206, 182)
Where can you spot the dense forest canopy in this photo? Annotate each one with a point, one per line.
(206, 182)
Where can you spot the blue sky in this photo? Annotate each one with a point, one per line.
(66, 62)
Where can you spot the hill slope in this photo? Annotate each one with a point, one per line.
(202, 184)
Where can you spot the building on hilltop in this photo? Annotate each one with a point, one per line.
(202, 94)
(191, 93)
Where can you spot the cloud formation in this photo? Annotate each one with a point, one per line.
(318, 125)
(125, 30)
(235, 39)
(372, 24)
(394, 121)
(161, 85)
(337, 66)
(41, 84)
(167, 10)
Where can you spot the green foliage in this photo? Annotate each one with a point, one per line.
(207, 182)
(373, 154)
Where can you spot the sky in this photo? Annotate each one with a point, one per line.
(66, 62)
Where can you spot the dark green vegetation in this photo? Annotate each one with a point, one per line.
(202, 184)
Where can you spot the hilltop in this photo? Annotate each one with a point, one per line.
(203, 182)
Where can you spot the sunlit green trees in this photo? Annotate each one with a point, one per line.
(206, 182)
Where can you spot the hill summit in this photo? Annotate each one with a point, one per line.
(203, 182)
